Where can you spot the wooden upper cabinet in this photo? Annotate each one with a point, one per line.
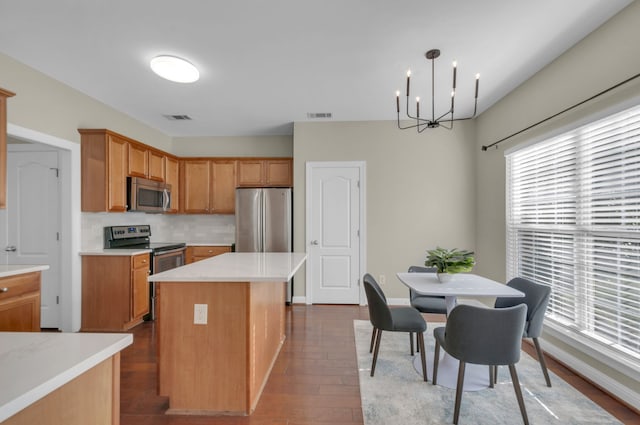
(156, 168)
(172, 177)
(279, 172)
(138, 160)
(195, 180)
(4, 94)
(104, 162)
(223, 187)
(265, 172)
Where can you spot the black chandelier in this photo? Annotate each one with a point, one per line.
(424, 123)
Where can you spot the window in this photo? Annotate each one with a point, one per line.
(573, 223)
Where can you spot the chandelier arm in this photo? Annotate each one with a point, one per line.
(450, 111)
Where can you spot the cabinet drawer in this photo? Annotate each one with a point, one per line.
(209, 251)
(140, 261)
(16, 286)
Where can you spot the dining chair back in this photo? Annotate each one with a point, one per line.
(426, 303)
(397, 319)
(482, 336)
(536, 297)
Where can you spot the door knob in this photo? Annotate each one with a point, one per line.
(10, 248)
(314, 242)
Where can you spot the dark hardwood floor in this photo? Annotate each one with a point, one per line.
(314, 380)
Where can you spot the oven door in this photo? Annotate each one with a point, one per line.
(163, 261)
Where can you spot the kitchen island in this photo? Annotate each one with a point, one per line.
(220, 325)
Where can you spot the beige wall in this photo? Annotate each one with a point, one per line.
(419, 189)
(50, 107)
(269, 146)
(604, 58)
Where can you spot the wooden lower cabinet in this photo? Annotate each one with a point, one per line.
(115, 291)
(220, 367)
(20, 303)
(197, 253)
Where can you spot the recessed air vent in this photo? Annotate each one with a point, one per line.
(178, 117)
(318, 115)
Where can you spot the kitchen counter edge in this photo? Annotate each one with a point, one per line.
(8, 270)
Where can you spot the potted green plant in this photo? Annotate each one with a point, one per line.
(449, 261)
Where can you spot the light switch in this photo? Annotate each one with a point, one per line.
(200, 314)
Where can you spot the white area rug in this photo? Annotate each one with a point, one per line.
(398, 395)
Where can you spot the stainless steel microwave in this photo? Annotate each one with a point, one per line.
(147, 195)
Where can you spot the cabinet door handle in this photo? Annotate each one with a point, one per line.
(4, 289)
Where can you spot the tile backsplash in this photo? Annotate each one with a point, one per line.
(190, 228)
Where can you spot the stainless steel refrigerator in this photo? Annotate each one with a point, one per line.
(264, 222)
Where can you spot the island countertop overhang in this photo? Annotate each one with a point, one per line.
(237, 267)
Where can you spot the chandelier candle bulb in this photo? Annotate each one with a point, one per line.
(417, 106)
(455, 67)
(398, 100)
(408, 77)
(477, 83)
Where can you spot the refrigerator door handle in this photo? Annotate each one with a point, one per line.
(261, 221)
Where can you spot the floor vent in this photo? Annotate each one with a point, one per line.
(318, 115)
(178, 117)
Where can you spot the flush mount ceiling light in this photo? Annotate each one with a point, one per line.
(175, 69)
(424, 123)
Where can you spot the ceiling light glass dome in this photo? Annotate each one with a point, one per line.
(175, 69)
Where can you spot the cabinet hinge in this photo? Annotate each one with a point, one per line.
(358, 232)
(57, 299)
(57, 236)
(358, 282)
(358, 184)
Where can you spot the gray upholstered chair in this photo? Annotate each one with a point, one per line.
(536, 297)
(482, 336)
(426, 303)
(397, 319)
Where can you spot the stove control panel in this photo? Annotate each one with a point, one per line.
(127, 232)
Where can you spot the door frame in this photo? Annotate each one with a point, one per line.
(362, 263)
(70, 221)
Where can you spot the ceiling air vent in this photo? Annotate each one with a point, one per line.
(318, 115)
(178, 117)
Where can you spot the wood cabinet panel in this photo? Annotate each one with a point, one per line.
(265, 172)
(156, 161)
(223, 187)
(196, 189)
(138, 160)
(117, 177)
(4, 94)
(115, 294)
(197, 253)
(172, 177)
(20, 303)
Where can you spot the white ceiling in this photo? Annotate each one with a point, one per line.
(266, 64)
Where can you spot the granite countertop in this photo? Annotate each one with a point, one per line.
(237, 267)
(7, 270)
(37, 363)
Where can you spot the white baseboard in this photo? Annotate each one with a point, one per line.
(398, 301)
(299, 300)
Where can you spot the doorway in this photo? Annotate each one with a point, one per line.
(335, 232)
(33, 220)
(69, 317)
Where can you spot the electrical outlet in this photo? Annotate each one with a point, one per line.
(200, 314)
(383, 279)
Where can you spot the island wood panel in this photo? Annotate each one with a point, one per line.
(220, 367)
(106, 292)
(91, 398)
(266, 333)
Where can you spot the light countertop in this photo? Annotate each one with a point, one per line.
(237, 267)
(7, 270)
(34, 364)
(116, 252)
(208, 244)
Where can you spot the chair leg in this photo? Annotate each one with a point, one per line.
(411, 342)
(375, 352)
(373, 339)
(422, 355)
(543, 364)
(491, 376)
(417, 345)
(459, 386)
(516, 387)
(495, 374)
(436, 360)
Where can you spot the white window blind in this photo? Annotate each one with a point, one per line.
(573, 223)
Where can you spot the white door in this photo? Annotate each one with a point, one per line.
(335, 232)
(33, 223)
